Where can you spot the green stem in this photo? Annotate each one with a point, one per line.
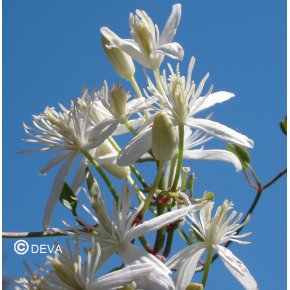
(152, 191)
(114, 143)
(184, 176)
(207, 265)
(138, 92)
(146, 245)
(180, 155)
(101, 172)
(254, 174)
(170, 179)
(169, 241)
(131, 129)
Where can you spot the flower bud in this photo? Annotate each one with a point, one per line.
(117, 171)
(121, 61)
(118, 99)
(194, 286)
(164, 138)
(130, 286)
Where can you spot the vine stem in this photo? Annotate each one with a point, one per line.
(180, 155)
(207, 265)
(101, 172)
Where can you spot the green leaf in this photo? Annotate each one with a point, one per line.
(183, 235)
(66, 199)
(199, 238)
(209, 196)
(93, 186)
(283, 125)
(241, 153)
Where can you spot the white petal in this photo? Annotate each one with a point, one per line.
(221, 155)
(122, 277)
(220, 131)
(110, 158)
(57, 188)
(158, 279)
(237, 268)
(98, 129)
(160, 221)
(173, 50)
(135, 148)
(130, 47)
(186, 271)
(211, 100)
(55, 160)
(170, 28)
(80, 176)
(122, 129)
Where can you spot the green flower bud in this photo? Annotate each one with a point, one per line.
(118, 99)
(117, 171)
(189, 183)
(194, 286)
(164, 138)
(130, 286)
(121, 61)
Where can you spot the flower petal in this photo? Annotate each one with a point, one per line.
(221, 155)
(122, 129)
(110, 158)
(237, 268)
(186, 271)
(220, 131)
(211, 100)
(160, 221)
(135, 148)
(170, 27)
(56, 189)
(173, 50)
(130, 47)
(122, 277)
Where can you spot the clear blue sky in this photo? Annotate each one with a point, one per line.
(50, 48)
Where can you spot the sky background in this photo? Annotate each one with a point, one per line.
(50, 48)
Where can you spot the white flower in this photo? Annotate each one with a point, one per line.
(180, 101)
(213, 232)
(68, 132)
(146, 47)
(116, 231)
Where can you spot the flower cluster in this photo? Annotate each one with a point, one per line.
(164, 130)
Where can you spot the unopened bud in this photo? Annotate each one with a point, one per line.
(194, 286)
(120, 172)
(164, 138)
(118, 99)
(130, 286)
(122, 62)
(189, 183)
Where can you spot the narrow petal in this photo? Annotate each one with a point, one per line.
(221, 155)
(211, 100)
(110, 158)
(158, 279)
(55, 160)
(130, 47)
(56, 189)
(160, 221)
(98, 129)
(122, 129)
(135, 149)
(80, 176)
(237, 268)
(220, 131)
(186, 271)
(173, 50)
(122, 277)
(170, 27)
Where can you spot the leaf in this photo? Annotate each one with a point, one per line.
(93, 186)
(241, 153)
(283, 125)
(183, 235)
(66, 199)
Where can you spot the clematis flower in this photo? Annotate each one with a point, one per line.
(68, 132)
(147, 47)
(116, 232)
(69, 272)
(213, 233)
(179, 100)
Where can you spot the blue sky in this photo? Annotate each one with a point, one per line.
(50, 48)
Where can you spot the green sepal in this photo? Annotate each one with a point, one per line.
(283, 125)
(93, 186)
(209, 196)
(183, 235)
(241, 153)
(66, 199)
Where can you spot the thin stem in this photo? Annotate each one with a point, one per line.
(146, 245)
(138, 92)
(180, 155)
(114, 143)
(101, 172)
(131, 129)
(172, 167)
(45, 234)
(276, 178)
(160, 236)
(169, 241)
(254, 174)
(207, 265)
(249, 179)
(152, 191)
